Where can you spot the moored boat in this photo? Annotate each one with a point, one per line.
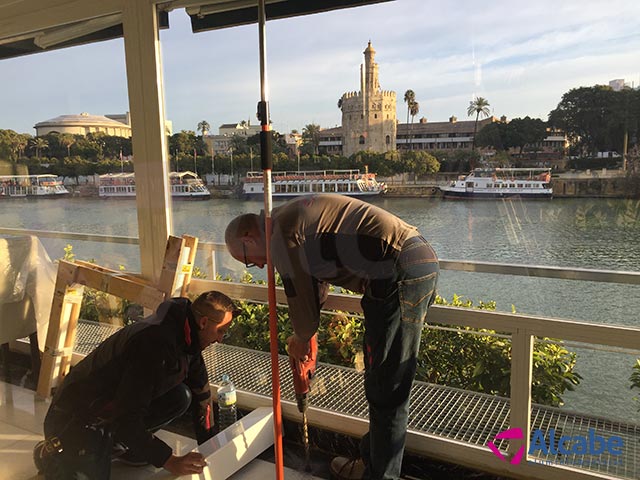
(21, 186)
(492, 183)
(293, 184)
(184, 185)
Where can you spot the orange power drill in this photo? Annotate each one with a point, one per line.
(303, 373)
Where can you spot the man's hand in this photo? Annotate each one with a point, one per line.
(298, 349)
(192, 462)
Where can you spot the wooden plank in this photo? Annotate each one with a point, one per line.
(186, 264)
(147, 296)
(520, 396)
(173, 251)
(134, 277)
(75, 302)
(63, 297)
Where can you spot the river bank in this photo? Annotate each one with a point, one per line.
(596, 184)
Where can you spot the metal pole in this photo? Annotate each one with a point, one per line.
(267, 166)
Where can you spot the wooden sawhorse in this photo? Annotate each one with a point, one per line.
(71, 280)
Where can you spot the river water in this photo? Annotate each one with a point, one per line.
(586, 233)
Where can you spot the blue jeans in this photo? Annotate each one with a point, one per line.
(395, 310)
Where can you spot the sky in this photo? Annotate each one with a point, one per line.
(519, 55)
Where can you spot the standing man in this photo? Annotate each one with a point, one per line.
(331, 239)
(134, 383)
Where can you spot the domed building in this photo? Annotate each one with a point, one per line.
(82, 125)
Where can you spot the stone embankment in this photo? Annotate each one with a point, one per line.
(594, 184)
(606, 187)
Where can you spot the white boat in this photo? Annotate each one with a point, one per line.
(293, 184)
(489, 183)
(184, 185)
(20, 186)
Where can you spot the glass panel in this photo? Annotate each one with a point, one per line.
(82, 136)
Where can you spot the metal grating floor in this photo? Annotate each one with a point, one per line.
(461, 415)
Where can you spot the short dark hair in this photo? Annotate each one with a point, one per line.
(214, 305)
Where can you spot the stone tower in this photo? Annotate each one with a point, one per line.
(368, 116)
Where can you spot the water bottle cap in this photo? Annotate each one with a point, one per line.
(225, 377)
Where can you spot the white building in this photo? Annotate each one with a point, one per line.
(83, 124)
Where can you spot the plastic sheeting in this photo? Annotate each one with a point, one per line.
(27, 281)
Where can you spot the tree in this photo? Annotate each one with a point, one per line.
(419, 162)
(204, 127)
(38, 144)
(492, 135)
(409, 99)
(183, 142)
(12, 144)
(588, 116)
(526, 132)
(311, 135)
(478, 106)
(239, 144)
(518, 133)
(414, 109)
(66, 140)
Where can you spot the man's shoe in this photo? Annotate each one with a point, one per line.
(39, 456)
(343, 468)
(118, 449)
(131, 459)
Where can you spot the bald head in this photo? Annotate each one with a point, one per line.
(245, 239)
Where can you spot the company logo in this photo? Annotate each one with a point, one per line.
(512, 433)
(552, 444)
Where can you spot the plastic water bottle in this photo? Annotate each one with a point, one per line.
(227, 414)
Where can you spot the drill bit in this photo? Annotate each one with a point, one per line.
(305, 439)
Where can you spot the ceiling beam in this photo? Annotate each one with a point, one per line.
(18, 17)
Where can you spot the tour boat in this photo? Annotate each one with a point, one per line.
(184, 185)
(293, 184)
(492, 183)
(20, 186)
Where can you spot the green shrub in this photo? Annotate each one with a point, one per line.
(635, 379)
(466, 358)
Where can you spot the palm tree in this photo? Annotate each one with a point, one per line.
(39, 144)
(479, 106)
(414, 109)
(311, 134)
(409, 99)
(204, 127)
(66, 140)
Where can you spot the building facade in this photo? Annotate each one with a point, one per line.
(243, 128)
(369, 115)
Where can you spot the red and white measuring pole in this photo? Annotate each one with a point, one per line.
(267, 166)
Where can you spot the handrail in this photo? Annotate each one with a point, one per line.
(475, 266)
(90, 237)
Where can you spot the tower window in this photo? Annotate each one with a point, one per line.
(388, 140)
(361, 139)
(375, 115)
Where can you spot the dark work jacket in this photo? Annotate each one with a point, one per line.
(116, 383)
